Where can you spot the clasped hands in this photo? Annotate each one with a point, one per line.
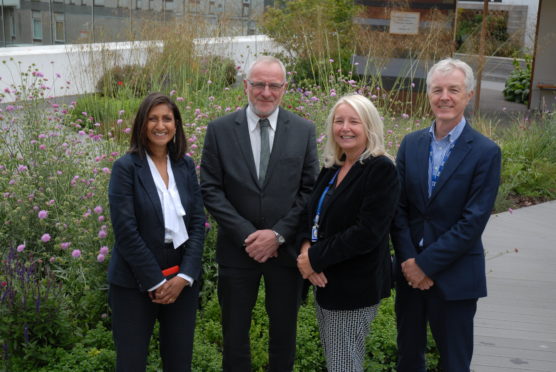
(415, 277)
(306, 270)
(261, 245)
(168, 292)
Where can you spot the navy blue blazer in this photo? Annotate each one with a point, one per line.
(352, 247)
(136, 214)
(452, 220)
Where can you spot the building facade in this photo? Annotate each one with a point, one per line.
(47, 22)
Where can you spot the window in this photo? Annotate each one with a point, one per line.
(59, 28)
(37, 25)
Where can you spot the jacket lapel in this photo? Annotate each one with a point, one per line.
(459, 152)
(146, 179)
(244, 142)
(422, 159)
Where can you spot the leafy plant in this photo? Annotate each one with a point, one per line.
(519, 82)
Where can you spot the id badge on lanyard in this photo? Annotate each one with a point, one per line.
(315, 228)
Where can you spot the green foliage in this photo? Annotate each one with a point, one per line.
(497, 43)
(529, 160)
(34, 314)
(128, 78)
(518, 83)
(314, 33)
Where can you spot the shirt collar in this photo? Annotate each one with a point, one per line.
(453, 135)
(253, 119)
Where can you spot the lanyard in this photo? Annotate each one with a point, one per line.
(436, 175)
(315, 228)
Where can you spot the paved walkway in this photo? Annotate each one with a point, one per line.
(515, 326)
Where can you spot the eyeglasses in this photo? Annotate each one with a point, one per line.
(274, 87)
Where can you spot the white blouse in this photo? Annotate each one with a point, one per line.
(172, 209)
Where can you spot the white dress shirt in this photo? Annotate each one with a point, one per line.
(175, 230)
(255, 133)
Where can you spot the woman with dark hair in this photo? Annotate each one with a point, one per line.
(158, 219)
(344, 252)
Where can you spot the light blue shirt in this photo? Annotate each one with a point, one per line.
(441, 147)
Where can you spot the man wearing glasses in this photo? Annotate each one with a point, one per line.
(257, 170)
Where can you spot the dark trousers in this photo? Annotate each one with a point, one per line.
(133, 318)
(237, 294)
(451, 324)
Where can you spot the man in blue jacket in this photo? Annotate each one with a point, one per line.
(449, 174)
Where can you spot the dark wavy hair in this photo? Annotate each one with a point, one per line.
(139, 142)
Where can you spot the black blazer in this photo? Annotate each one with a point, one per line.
(352, 247)
(233, 195)
(136, 214)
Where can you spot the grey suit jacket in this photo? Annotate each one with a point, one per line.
(233, 195)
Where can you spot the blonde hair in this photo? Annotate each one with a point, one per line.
(373, 129)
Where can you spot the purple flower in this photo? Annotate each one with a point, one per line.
(102, 234)
(101, 218)
(65, 245)
(52, 259)
(98, 209)
(76, 253)
(103, 250)
(43, 214)
(121, 112)
(100, 257)
(45, 238)
(20, 248)
(331, 60)
(180, 99)
(106, 170)
(22, 168)
(119, 121)
(127, 130)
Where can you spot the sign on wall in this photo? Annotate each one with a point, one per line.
(404, 23)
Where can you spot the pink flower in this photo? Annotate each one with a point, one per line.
(20, 248)
(207, 225)
(127, 130)
(43, 214)
(101, 218)
(119, 121)
(100, 257)
(52, 259)
(102, 234)
(98, 209)
(180, 99)
(121, 112)
(172, 92)
(76, 253)
(22, 168)
(65, 245)
(103, 250)
(45, 238)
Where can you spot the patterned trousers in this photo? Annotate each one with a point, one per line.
(343, 334)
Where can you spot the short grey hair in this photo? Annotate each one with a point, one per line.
(450, 64)
(372, 124)
(268, 60)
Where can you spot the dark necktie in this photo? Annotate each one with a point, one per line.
(265, 149)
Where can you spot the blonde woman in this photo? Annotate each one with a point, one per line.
(345, 253)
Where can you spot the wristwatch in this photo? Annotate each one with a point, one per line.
(279, 238)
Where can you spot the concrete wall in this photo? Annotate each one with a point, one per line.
(83, 64)
(544, 67)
